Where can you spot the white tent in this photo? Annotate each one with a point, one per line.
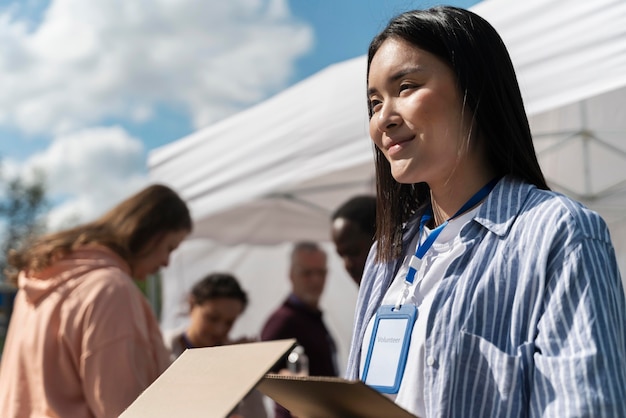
(273, 173)
(262, 179)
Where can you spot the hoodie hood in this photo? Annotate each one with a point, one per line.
(72, 268)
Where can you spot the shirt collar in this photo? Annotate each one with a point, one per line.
(497, 213)
(500, 209)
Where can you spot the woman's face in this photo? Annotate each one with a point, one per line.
(211, 321)
(417, 120)
(156, 253)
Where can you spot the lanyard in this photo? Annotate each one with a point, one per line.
(425, 246)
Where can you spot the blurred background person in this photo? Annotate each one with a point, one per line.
(352, 230)
(300, 317)
(83, 340)
(215, 303)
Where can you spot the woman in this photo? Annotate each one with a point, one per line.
(215, 303)
(83, 341)
(491, 295)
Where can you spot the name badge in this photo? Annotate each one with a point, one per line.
(389, 347)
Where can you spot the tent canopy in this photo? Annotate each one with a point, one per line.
(273, 173)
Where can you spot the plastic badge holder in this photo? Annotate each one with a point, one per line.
(376, 373)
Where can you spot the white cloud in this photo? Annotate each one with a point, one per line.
(91, 60)
(87, 172)
(80, 63)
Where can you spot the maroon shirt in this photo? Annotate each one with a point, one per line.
(294, 319)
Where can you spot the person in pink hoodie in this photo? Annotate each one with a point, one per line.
(83, 340)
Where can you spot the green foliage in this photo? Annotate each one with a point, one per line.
(151, 288)
(22, 206)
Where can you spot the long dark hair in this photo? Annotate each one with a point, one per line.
(125, 229)
(486, 79)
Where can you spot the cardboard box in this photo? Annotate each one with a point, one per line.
(210, 382)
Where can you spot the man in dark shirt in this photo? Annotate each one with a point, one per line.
(353, 231)
(300, 317)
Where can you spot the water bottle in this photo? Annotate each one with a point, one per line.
(298, 361)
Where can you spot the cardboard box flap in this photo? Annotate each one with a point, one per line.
(329, 397)
(208, 382)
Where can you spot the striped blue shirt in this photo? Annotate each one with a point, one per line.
(530, 321)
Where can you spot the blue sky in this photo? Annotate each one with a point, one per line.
(89, 88)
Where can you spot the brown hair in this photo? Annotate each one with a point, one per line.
(125, 229)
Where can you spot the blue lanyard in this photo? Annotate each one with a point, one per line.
(425, 246)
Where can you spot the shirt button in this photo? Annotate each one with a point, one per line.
(430, 360)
